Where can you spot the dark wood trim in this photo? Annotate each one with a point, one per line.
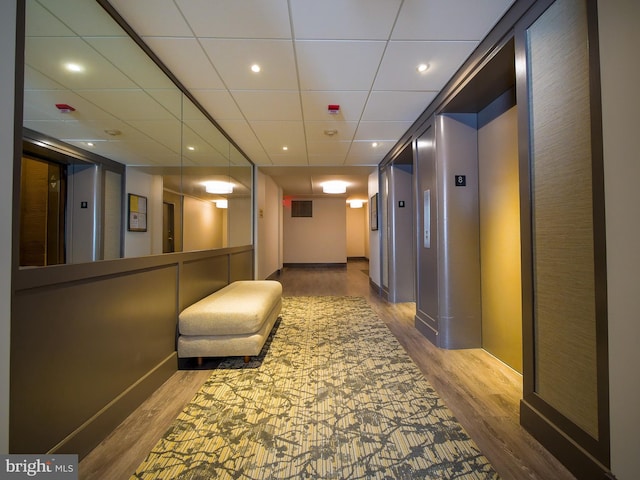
(579, 461)
(315, 265)
(580, 452)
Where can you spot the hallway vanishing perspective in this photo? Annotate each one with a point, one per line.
(482, 392)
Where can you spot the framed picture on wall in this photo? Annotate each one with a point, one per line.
(137, 221)
(373, 209)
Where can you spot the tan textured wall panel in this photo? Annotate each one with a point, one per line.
(564, 296)
(500, 239)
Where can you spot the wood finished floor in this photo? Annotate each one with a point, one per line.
(481, 391)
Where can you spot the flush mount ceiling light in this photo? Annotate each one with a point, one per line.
(285, 148)
(334, 186)
(255, 68)
(218, 187)
(74, 67)
(331, 132)
(423, 67)
(356, 203)
(222, 203)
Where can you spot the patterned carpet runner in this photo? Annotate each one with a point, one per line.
(333, 395)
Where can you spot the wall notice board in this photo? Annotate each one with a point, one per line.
(137, 213)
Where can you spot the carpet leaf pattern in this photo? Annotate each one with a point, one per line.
(333, 395)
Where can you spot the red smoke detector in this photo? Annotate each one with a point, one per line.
(333, 108)
(64, 108)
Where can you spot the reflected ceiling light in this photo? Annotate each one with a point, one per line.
(74, 67)
(255, 68)
(222, 203)
(218, 187)
(356, 203)
(285, 148)
(90, 144)
(191, 148)
(423, 67)
(334, 186)
(374, 144)
(331, 132)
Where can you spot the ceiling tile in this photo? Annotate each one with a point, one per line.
(153, 17)
(363, 152)
(134, 63)
(219, 103)
(49, 55)
(237, 18)
(343, 19)
(379, 131)
(396, 106)
(187, 60)
(271, 105)
(344, 131)
(84, 18)
(275, 135)
(330, 149)
(448, 19)
(338, 65)
(233, 59)
(398, 70)
(129, 104)
(315, 105)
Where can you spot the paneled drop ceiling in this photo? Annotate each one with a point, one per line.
(359, 54)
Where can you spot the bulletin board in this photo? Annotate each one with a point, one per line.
(137, 213)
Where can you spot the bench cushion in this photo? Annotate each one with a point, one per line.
(239, 308)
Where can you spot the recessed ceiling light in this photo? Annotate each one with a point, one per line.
(90, 144)
(423, 67)
(255, 68)
(191, 148)
(331, 132)
(285, 148)
(74, 67)
(374, 144)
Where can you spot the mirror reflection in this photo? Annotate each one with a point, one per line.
(116, 159)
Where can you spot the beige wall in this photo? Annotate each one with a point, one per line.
(500, 237)
(203, 226)
(268, 226)
(356, 228)
(620, 76)
(319, 239)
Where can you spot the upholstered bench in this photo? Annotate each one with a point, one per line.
(234, 321)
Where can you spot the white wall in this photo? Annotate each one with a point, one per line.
(620, 76)
(318, 239)
(138, 244)
(268, 226)
(7, 88)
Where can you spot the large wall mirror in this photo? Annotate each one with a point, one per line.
(117, 161)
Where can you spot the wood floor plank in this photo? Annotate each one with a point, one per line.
(482, 392)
